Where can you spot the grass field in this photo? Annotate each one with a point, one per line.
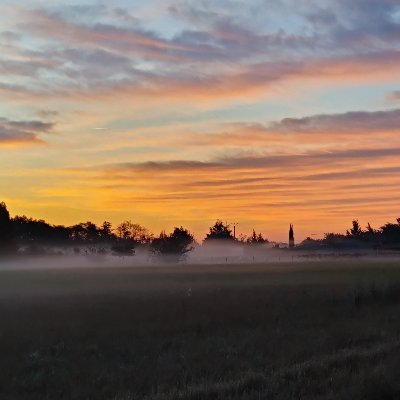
(273, 331)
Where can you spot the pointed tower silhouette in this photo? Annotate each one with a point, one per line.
(291, 236)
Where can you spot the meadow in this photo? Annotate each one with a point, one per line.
(310, 330)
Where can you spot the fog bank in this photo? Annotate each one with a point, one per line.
(214, 253)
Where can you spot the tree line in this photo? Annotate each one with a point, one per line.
(385, 237)
(29, 236)
(35, 236)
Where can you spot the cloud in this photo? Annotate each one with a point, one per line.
(9, 37)
(28, 67)
(216, 52)
(350, 122)
(328, 130)
(47, 113)
(311, 187)
(356, 20)
(256, 79)
(394, 96)
(23, 132)
(149, 74)
(264, 162)
(103, 36)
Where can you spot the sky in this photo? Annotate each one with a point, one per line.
(261, 113)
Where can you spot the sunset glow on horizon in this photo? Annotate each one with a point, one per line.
(178, 113)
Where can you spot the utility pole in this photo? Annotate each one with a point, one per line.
(234, 229)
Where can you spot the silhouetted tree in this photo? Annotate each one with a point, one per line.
(29, 231)
(135, 232)
(310, 244)
(219, 231)
(175, 245)
(390, 234)
(130, 236)
(335, 240)
(371, 235)
(124, 248)
(356, 230)
(256, 239)
(106, 229)
(7, 243)
(85, 232)
(291, 236)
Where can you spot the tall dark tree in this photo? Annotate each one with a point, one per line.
(7, 243)
(356, 230)
(106, 229)
(175, 245)
(106, 233)
(219, 231)
(291, 236)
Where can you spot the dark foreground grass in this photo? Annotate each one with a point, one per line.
(299, 331)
